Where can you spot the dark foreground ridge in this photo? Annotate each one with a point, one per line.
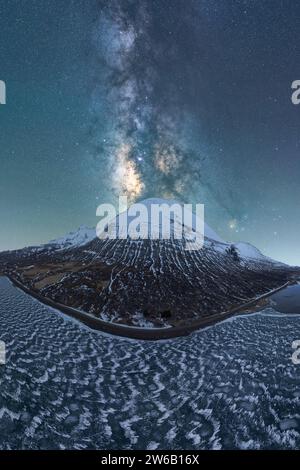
(150, 334)
(139, 287)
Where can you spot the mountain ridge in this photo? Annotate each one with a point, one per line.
(84, 235)
(146, 282)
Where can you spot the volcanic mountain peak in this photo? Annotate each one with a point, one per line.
(84, 235)
(123, 219)
(139, 281)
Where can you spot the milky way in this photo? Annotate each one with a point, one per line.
(189, 99)
(145, 67)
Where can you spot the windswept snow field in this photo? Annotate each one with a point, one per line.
(64, 386)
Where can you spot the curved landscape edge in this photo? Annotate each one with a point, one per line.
(150, 334)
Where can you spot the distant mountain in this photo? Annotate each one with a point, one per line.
(74, 239)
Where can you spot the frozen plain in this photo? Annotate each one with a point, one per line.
(231, 386)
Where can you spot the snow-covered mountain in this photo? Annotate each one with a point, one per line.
(125, 218)
(84, 235)
(140, 281)
(246, 250)
(243, 249)
(146, 281)
(74, 239)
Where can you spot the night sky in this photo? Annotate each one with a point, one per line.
(189, 99)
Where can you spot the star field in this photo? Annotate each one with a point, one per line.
(169, 98)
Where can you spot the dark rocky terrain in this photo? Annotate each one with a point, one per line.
(146, 282)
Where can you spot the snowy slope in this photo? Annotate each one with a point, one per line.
(143, 281)
(84, 234)
(244, 250)
(75, 239)
(124, 219)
